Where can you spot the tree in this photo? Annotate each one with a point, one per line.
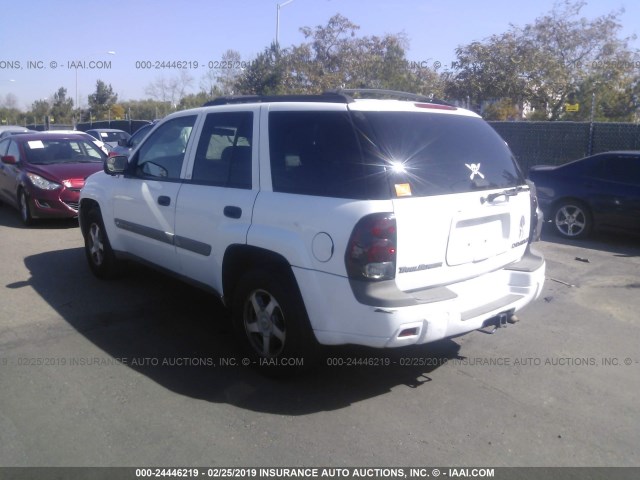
(146, 109)
(117, 112)
(332, 57)
(171, 89)
(541, 64)
(39, 109)
(62, 108)
(193, 100)
(10, 101)
(9, 113)
(487, 71)
(232, 66)
(503, 109)
(265, 75)
(222, 78)
(102, 100)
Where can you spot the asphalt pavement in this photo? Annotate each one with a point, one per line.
(144, 371)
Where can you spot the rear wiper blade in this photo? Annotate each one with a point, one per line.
(511, 192)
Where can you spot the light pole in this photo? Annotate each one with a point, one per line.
(110, 52)
(278, 7)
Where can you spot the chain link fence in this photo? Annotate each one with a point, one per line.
(129, 126)
(555, 143)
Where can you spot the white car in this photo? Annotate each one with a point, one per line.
(7, 130)
(110, 136)
(101, 145)
(326, 219)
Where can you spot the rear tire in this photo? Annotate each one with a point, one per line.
(272, 325)
(572, 219)
(102, 260)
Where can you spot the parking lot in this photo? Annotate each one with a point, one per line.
(144, 371)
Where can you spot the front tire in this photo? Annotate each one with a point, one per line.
(25, 209)
(272, 325)
(102, 261)
(572, 219)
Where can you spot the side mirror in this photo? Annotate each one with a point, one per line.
(123, 142)
(9, 160)
(116, 165)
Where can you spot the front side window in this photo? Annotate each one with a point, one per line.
(139, 135)
(162, 154)
(223, 156)
(14, 150)
(4, 144)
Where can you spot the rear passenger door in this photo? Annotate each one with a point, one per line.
(215, 203)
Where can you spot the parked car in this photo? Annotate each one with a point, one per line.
(103, 146)
(6, 130)
(41, 174)
(325, 220)
(125, 146)
(601, 191)
(110, 136)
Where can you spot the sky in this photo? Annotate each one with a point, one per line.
(42, 42)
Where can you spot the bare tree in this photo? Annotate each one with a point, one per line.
(170, 90)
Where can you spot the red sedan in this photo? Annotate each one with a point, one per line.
(41, 174)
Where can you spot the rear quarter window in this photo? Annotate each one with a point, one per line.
(318, 153)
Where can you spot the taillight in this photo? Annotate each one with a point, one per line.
(371, 251)
(537, 217)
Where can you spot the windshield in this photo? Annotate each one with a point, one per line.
(47, 152)
(435, 154)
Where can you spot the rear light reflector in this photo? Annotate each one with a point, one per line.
(371, 251)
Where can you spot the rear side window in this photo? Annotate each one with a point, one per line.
(223, 156)
(434, 154)
(317, 153)
(619, 168)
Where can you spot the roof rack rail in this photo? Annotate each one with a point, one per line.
(390, 93)
(329, 97)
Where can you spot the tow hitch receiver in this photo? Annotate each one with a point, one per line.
(499, 321)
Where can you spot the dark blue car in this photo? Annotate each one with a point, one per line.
(601, 191)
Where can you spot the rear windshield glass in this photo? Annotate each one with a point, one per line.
(434, 154)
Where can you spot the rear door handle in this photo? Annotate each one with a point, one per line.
(164, 200)
(232, 212)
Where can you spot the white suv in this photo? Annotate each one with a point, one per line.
(326, 219)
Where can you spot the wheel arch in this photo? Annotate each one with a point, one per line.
(86, 205)
(240, 259)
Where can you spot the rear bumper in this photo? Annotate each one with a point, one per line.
(467, 306)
